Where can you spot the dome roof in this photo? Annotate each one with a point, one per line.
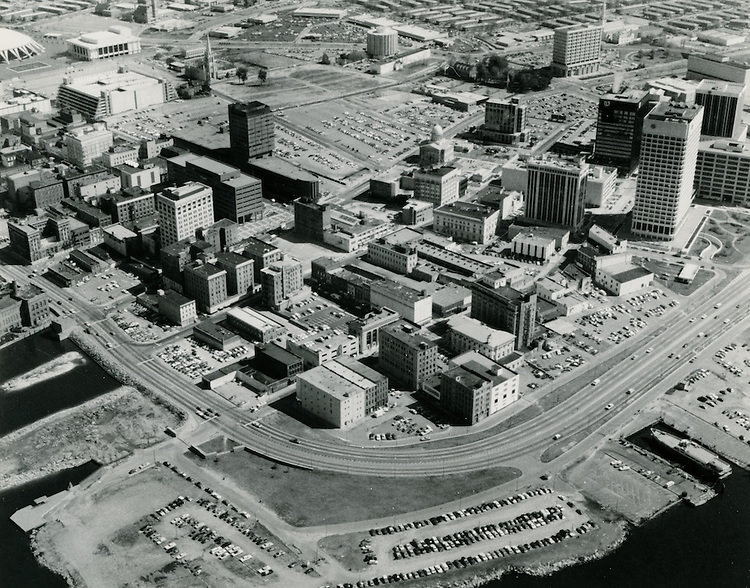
(15, 45)
(384, 30)
(437, 133)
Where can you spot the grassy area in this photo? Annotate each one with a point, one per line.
(304, 498)
(345, 550)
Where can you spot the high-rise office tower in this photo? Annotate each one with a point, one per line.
(618, 129)
(251, 132)
(669, 149)
(576, 50)
(722, 108)
(556, 191)
(183, 210)
(504, 121)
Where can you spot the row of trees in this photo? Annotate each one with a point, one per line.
(495, 70)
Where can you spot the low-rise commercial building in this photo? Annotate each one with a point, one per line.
(529, 245)
(114, 42)
(467, 334)
(319, 347)
(216, 336)
(413, 305)
(466, 222)
(367, 328)
(722, 172)
(84, 144)
(253, 325)
(177, 309)
(619, 276)
(277, 362)
(396, 257)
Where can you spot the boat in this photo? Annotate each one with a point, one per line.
(694, 452)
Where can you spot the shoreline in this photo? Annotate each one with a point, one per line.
(13, 480)
(47, 371)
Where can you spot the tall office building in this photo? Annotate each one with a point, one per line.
(722, 104)
(576, 50)
(84, 144)
(556, 191)
(669, 150)
(251, 132)
(619, 126)
(439, 186)
(504, 121)
(183, 210)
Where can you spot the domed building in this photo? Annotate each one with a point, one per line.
(437, 151)
(15, 46)
(382, 42)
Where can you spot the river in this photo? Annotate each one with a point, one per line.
(18, 567)
(22, 407)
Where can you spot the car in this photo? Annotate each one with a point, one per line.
(556, 436)
(629, 391)
(609, 406)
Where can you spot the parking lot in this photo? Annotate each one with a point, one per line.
(609, 324)
(316, 313)
(195, 359)
(300, 150)
(110, 286)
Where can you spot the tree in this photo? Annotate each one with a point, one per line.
(262, 75)
(170, 60)
(242, 74)
(101, 8)
(325, 60)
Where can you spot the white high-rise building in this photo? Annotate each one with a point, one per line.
(669, 150)
(183, 210)
(576, 50)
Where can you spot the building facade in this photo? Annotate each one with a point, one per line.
(619, 126)
(207, 284)
(413, 305)
(722, 104)
(406, 356)
(722, 172)
(183, 210)
(576, 50)
(437, 186)
(505, 308)
(396, 257)
(468, 334)
(466, 222)
(669, 151)
(84, 144)
(114, 42)
(251, 130)
(504, 121)
(281, 280)
(556, 191)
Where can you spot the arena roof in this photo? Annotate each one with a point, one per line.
(15, 45)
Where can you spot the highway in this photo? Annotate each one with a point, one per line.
(583, 411)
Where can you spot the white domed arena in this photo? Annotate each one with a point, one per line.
(15, 46)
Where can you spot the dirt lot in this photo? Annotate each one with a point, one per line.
(104, 429)
(305, 498)
(99, 535)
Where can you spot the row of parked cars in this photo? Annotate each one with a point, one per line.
(464, 512)
(524, 522)
(472, 560)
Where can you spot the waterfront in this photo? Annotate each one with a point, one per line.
(44, 397)
(687, 547)
(19, 567)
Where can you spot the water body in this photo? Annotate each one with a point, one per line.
(686, 547)
(18, 567)
(83, 381)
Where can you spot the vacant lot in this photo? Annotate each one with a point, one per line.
(305, 498)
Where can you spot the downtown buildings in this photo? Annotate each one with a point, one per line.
(556, 191)
(251, 130)
(619, 127)
(576, 50)
(669, 151)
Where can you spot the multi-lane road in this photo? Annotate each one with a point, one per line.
(582, 412)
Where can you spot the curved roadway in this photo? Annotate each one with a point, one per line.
(583, 411)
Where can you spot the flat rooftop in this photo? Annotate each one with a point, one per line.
(215, 331)
(282, 167)
(478, 331)
(113, 82)
(674, 112)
